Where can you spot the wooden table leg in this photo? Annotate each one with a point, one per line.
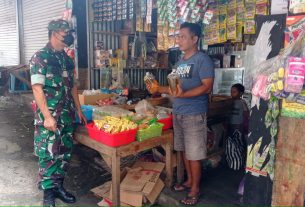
(169, 164)
(180, 168)
(116, 179)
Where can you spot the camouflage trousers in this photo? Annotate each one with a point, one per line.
(54, 153)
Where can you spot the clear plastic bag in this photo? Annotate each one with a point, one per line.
(145, 108)
(100, 112)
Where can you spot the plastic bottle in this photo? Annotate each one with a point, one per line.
(238, 62)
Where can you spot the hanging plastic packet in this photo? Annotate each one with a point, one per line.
(260, 87)
(173, 80)
(223, 15)
(231, 32)
(231, 16)
(239, 32)
(240, 16)
(151, 83)
(294, 110)
(261, 9)
(208, 16)
(222, 35)
(249, 26)
(294, 76)
(250, 10)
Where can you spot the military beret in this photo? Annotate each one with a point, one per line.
(59, 24)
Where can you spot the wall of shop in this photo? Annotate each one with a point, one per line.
(9, 38)
(36, 16)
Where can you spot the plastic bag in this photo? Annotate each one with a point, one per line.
(294, 77)
(145, 108)
(267, 67)
(260, 87)
(100, 112)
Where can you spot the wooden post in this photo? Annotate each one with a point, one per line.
(124, 46)
(116, 179)
(180, 168)
(289, 178)
(169, 164)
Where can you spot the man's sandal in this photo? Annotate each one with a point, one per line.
(180, 188)
(190, 200)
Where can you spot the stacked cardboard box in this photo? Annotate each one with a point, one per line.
(141, 185)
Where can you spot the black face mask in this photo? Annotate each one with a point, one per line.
(68, 39)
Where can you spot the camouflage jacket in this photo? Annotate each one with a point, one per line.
(55, 71)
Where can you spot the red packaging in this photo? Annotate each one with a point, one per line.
(111, 140)
(168, 122)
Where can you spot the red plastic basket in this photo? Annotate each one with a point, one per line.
(112, 140)
(168, 122)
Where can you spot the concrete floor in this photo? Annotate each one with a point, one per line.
(18, 168)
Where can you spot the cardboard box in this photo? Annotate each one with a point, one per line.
(103, 191)
(142, 184)
(92, 99)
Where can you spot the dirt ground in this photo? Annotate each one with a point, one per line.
(18, 168)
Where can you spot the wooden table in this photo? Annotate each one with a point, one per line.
(113, 155)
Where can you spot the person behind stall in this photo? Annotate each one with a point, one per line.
(190, 106)
(239, 118)
(55, 93)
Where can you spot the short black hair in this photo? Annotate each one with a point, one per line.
(239, 87)
(50, 33)
(194, 28)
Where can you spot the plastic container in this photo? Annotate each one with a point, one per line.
(154, 130)
(87, 111)
(111, 140)
(16, 85)
(168, 122)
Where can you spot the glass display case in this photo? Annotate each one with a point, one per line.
(225, 78)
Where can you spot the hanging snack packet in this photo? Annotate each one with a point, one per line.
(232, 4)
(240, 2)
(294, 76)
(231, 16)
(293, 110)
(239, 32)
(240, 16)
(214, 23)
(249, 26)
(208, 16)
(261, 1)
(261, 9)
(222, 21)
(260, 87)
(214, 36)
(222, 35)
(231, 32)
(250, 10)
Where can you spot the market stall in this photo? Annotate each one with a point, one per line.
(132, 39)
(113, 155)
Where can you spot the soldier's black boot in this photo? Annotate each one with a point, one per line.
(48, 198)
(63, 195)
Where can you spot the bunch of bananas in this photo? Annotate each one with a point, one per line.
(114, 125)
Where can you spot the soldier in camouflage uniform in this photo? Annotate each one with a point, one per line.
(52, 78)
